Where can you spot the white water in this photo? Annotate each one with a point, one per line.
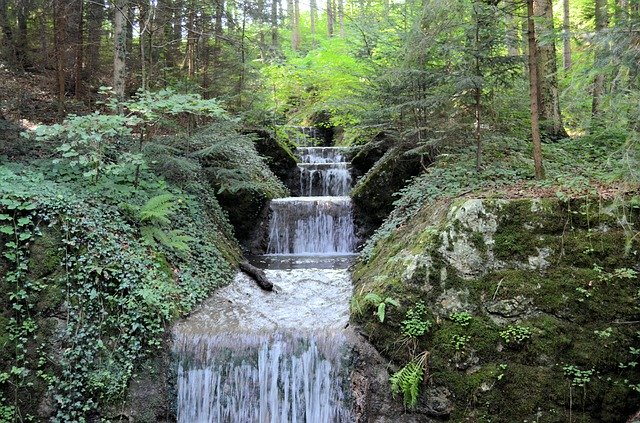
(250, 356)
(311, 225)
(324, 171)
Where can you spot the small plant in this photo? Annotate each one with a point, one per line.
(459, 342)
(415, 324)
(380, 304)
(462, 318)
(408, 379)
(605, 333)
(502, 367)
(584, 292)
(515, 335)
(578, 377)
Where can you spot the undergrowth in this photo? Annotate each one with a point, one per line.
(574, 167)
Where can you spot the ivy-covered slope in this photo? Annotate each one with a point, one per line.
(507, 310)
(94, 271)
(88, 288)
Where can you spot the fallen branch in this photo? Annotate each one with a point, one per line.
(257, 275)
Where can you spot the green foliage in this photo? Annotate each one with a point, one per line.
(407, 381)
(380, 304)
(415, 323)
(462, 318)
(578, 376)
(459, 342)
(118, 292)
(515, 335)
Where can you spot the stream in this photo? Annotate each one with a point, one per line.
(253, 356)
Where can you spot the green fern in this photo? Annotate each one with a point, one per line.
(174, 239)
(407, 381)
(157, 210)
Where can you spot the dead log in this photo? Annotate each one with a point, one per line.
(257, 275)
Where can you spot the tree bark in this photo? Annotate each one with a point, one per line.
(548, 96)
(95, 18)
(330, 18)
(275, 43)
(120, 47)
(602, 22)
(566, 36)
(533, 92)
(59, 34)
(79, 51)
(313, 8)
(21, 40)
(296, 16)
(341, 17)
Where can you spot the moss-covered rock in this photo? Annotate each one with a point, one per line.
(383, 167)
(552, 291)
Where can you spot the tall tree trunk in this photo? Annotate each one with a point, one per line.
(79, 50)
(602, 22)
(7, 32)
(566, 36)
(120, 47)
(341, 17)
(313, 9)
(548, 96)
(21, 40)
(95, 19)
(533, 92)
(190, 56)
(275, 43)
(59, 33)
(296, 28)
(330, 18)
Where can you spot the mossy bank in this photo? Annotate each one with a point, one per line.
(527, 309)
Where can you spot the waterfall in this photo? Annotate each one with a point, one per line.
(250, 356)
(261, 378)
(311, 225)
(324, 171)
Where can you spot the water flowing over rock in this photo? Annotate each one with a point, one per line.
(324, 171)
(311, 225)
(248, 355)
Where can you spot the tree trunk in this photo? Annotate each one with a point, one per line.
(533, 91)
(602, 22)
(79, 51)
(341, 17)
(59, 33)
(313, 8)
(7, 32)
(120, 47)
(330, 18)
(95, 19)
(566, 36)
(296, 28)
(548, 96)
(275, 44)
(190, 56)
(21, 40)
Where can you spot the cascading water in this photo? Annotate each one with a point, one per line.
(275, 357)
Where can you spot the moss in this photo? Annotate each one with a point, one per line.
(45, 254)
(568, 307)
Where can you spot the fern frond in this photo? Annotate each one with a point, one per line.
(174, 239)
(158, 209)
(407, 381)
